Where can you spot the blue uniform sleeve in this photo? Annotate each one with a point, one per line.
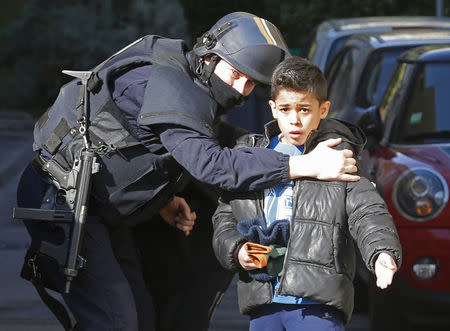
(245, 169)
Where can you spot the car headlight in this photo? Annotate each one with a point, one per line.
(425, 267)
(420, 194)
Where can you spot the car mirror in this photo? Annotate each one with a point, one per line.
(370, 124)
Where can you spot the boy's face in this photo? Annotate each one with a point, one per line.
(297, 114)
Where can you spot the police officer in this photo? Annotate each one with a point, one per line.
(170, 103)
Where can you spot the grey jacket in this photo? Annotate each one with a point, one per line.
(329, 217)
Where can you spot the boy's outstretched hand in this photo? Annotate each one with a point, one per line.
(385, 268)
(178, 213)
(325, 163)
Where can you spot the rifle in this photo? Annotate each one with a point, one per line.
(75, 186)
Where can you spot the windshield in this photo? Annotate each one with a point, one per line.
(337, 44)
(340, 75)
(426, 118)
(376, 77)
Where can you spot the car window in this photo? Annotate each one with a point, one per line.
(376, 75)
(341, 73)
(311, 44)
(426, 118)
(335, 47)
(311, 50)
(392, 90)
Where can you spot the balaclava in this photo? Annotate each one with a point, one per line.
(225, 95)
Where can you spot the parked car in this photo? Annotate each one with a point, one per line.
(329, 36)
(360, 71)
(408, 158)
(326, 39)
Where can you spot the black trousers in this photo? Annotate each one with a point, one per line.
(110, 294)
(185, 279)
(150, 277)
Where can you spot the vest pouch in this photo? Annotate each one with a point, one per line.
(43, 269)
(38, 267)
(127, 181)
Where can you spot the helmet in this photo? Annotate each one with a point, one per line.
(249, 43)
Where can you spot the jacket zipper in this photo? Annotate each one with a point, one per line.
(294, 208)
(265, 144)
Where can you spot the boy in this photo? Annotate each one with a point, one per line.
(309, 223)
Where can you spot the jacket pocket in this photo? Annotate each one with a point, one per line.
(252, 294)
(344, 253)
(311, 242)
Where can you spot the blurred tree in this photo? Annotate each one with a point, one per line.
(202, 14)
(296, 19)
(11, 10)
(299, 18)
(52, 35)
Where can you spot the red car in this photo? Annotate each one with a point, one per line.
(407, 158)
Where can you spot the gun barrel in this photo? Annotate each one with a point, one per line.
(80, 214)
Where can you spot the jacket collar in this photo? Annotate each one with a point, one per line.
(271, 129)
(352, 136)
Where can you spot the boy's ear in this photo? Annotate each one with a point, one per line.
(324, 108)
(273, 106)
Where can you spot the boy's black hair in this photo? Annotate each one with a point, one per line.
(299, 74)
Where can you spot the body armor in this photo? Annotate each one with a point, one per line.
(130, 176)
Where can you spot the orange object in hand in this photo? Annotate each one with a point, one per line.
(257, 253)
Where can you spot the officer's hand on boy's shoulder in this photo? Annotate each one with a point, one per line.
(325, 163)
(331, 164)
(385, 268)
(178, 213)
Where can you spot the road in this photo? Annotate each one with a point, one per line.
(20, 306)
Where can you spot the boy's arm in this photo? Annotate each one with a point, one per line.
(226, 239)
(371, 225)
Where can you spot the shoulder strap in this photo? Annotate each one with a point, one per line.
(56, 307)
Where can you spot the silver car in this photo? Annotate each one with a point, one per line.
(360, 71)
(328, 37)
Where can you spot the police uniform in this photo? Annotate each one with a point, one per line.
(162, 111)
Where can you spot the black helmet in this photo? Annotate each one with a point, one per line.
(249, 43)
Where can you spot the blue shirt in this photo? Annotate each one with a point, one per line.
(278, 204)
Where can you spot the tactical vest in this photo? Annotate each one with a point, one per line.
(130, 176)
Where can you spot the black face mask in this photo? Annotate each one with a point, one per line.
(225, 95)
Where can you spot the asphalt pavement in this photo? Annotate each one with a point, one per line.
(20, 306)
